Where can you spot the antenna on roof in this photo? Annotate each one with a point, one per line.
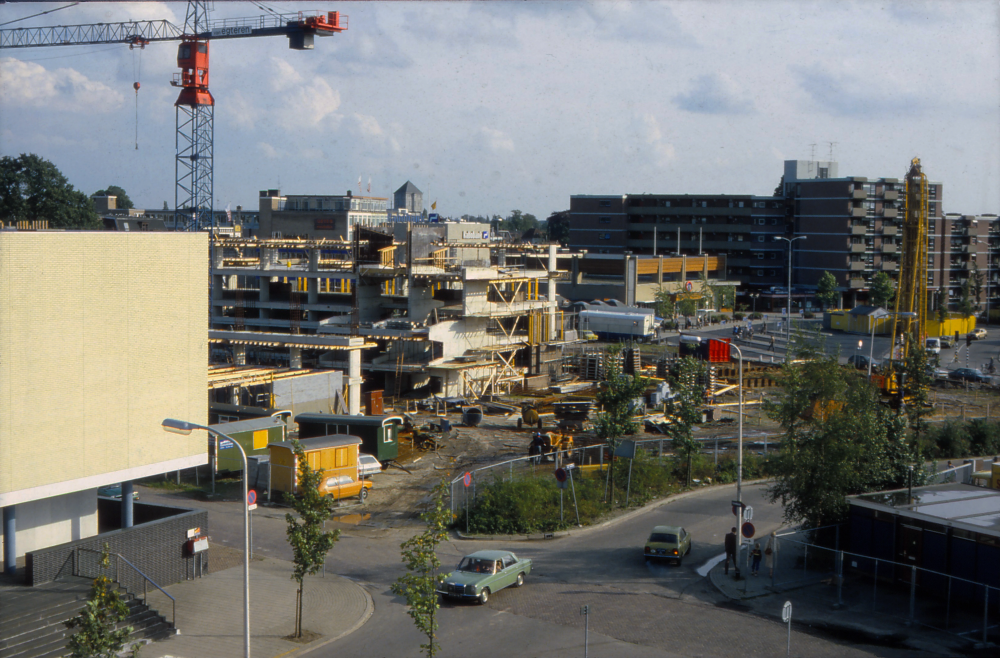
(832, 144)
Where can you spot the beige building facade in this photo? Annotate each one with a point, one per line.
(102, 336)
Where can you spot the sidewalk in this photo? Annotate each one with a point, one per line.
(210, 612)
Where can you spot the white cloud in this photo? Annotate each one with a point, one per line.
(496, 140)
(31, 85)
(268, 150)
(368, 125)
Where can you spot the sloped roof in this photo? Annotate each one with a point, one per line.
(408, 188)
(876, 311)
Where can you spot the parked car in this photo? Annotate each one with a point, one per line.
(484, 573)
(115, 491)
(979, 334)
(368, 465)
(860, 361)
(947, 342)
(667, 542)
(588, 335)
(933, 345)
(969, 375)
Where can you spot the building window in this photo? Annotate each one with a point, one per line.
(771, 272)
(760, 272)
(704, 204)
(741, 204)
(605, 203)
(824, 172)
(760, 238)
(605, 236)
(773, 256)
(760, 256)
(739, 237)
(774, 221)
(605, 220)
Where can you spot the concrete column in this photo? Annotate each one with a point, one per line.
(294, 357)
(659, 272)
(127, 504)
(240, 354)
(552, 292)
(354, 382)
(9, 539)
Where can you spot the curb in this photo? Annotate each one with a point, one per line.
(316, 644)
(549, 536)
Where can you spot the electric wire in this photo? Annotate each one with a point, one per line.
(24, 18)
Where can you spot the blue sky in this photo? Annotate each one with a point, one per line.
(491, 106)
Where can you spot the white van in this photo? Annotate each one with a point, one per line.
(933, 345)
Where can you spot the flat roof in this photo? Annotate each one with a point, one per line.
(965, 506)
(267, 422)
(347, 420)
(320, 442)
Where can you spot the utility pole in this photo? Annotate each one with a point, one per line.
(788, 330)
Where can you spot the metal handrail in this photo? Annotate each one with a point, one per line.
(119, 558)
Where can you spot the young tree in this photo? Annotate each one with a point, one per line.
(686, 307)
(616, 397)
(685, 409)
(965, 299)
(882, 291)
(942, 306)
(839, 440)
(826, 290)
(33, 188)
(98, 635)
(419, 586)
(665, 305)
(916, 387)
(976, 279)
(310, 543)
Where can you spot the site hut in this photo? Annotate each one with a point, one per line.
(379, 434)
(254, 435)
(335, 457)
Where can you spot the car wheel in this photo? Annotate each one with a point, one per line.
(688, 550)
(484, 596)
(680, 560)
(363, 495)
(520, 580)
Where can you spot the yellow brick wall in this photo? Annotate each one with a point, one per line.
(102, 336)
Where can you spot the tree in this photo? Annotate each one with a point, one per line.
(965, 299)
(976, 278)
(165, 206)
(122, 201)
(99, 635)
(838, 440)
(419, 586)
(686, 307)
(518, 223)
(32, 188)
(684, 408)
(882, 290)
(780, 190)
(826, 290)
(664, 301)
(917, 384)
(310, 543)
(558, 226)
(616, 396)
(942, 306)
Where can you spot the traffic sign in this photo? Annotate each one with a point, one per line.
(748, 530)
(226, 443)
(786, 612)
(467, 479)
(737, 503)
(561, 474)
(252, 497)
(252, 507)
(747, 513)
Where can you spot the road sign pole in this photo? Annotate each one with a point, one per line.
(628, 490)
(786, 616)
(560, 506)
(573, 489)
(585, 611)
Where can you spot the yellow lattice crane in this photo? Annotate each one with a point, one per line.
(911, 293)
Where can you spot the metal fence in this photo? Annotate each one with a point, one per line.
(868, 585)
(88, 563)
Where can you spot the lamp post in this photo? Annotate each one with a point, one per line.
(871, 349)
(754, 296)
(739, 459)
(184, 427)
(788, 330)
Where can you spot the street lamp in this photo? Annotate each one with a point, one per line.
(184, 427)
(788, 330)
(739, 459)
(754, 296)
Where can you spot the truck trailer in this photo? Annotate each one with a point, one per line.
(617, 325)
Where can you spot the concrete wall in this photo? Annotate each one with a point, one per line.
(55, 520)
(308, 394)
(104, 336)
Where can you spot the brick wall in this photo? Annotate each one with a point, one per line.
(155, 547)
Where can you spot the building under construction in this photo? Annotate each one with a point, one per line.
(410, 309)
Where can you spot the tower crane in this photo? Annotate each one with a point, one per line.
(195, 105)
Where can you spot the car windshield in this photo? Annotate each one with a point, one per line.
(476, 565)
(662, 538)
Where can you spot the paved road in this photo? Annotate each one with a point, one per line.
(637, 609)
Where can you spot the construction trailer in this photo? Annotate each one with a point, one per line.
(610, 325)
(254, 436)
(379, 434)
(335, 457)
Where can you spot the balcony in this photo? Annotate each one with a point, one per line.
(857, 247)
(856, 284)
(858, 211)
(889, 248)
(857, 265)
(859, 229)
(890, 213)
(889, 266)
(891, 195)
(889, 230)
(860, 193)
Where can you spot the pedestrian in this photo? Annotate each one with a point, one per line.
(731, 544)
(736, 331)
(772, 343)
(756, 555)
(769, 550)
(765, 326)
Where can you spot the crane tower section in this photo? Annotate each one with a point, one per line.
(911, 291)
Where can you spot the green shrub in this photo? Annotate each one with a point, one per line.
(951, 440)
(984, 437)
(808, 315)
(738, 316)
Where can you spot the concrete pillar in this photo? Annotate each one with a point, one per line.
(294, 357)
(9, 539)
(240, 355)
(552, 292)
(354, 382)
(659, 272)
(127, 489)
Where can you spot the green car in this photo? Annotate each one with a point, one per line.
(668, 542)
(484, 573)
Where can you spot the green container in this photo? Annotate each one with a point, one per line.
(379, 434)
(254, 435)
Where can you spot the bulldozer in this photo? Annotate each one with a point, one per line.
(544, 444)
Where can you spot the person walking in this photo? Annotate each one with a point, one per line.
(769, 552)
(731, 544)
(756, 555)
(772, 343)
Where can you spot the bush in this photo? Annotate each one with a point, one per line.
(738, 316)
(808, 315)
(984, 437)
(756, 316)
(950, 441)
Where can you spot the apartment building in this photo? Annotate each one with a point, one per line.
(326, 216)
(960, 246)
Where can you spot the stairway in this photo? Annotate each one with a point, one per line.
(32, 618)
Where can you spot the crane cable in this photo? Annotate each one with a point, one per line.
(136, 74)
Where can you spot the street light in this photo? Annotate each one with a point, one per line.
(184, 427)
(754, 296)
(788, 330)
(739, 460)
